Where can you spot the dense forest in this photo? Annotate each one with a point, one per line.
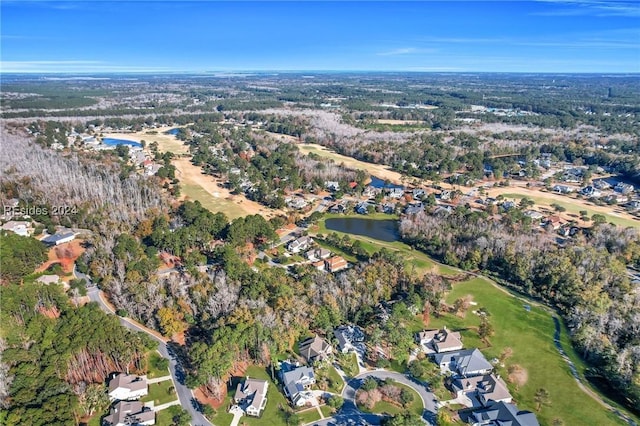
(585, 278)
(56, 358)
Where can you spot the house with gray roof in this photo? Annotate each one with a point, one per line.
(502, 414)
(251, 395)
(467, 362)
(126, 413)
(297, 382)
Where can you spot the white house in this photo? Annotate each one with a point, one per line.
(297, 383)
(439, 340)
(299, 244)
(57, 239)
(251, 394)
(487, 389)
(18, 227)
(126, 387)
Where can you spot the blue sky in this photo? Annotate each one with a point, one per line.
(171, 36)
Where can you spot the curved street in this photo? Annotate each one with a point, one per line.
(185, 395)
(428, 399)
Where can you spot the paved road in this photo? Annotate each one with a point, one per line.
(428, 399)
(187, 400)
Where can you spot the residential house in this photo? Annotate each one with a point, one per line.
(21, 228)
(554, 222)
(418, 193)
(590, 191)
(414, 208)
(618, 198)
(296, 203)
(297, 382)
(624, 188)
(58, 238)
(371, 191)
(251, 394)
(337, 208)
(333, 186)
(335, 263)
(299, 244)
(563, 189)
(487, 389)
(466, 362)
(350, 338)
(395, 192)
(633, 205)
(362, 208)
(319, 265)
(48, 279)
(502, 414)
(317, 254)
(601, 184)
(127, 387)
(315, 349)
(126, 413)
(533, 214)
(439, 340)
(446, 195)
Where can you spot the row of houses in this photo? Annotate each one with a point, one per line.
(472, 379)
(124, 392)
(319, 257)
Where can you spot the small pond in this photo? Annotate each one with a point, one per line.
(383, 230)
(116, 142)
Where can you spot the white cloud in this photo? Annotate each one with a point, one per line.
(598, 8)
(406, 51)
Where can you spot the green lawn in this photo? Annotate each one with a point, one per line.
(349, 364)
(327, 370)
(152, 368)
(530, 335)
(308, 416)
(416, 260)
(271, 415)
(326, 411)
(161, 393)
(95, 420)
(577, 206)
(389, 408)
(229, 208)
(165, 417)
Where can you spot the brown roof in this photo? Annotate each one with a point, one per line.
(336, 262)
(442, 339)
(313, 347)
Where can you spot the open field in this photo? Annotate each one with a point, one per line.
(165, 141)
(196, 185)
(530, 335)
(213, 196)
(377, 170)
(614, 214)
(396, 122)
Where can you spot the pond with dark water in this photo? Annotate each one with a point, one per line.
(383, 230)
